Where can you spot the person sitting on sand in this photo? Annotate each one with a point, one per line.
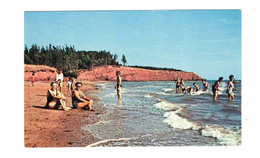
(118, 87)
(231, 88)
(55, 99)
(205, 85)
(196, 87)
(215, 88)
(80, 100)
(178, 84)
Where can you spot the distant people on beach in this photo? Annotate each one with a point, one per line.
(231, 88)
(79, 100)
(178, 85)
(215, 88)
(182, 86)
(32, 77)
(59, 76)
(118, 87)
(55, 99)
(70, 86)
(205, 85)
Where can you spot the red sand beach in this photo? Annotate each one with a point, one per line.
(55, 128)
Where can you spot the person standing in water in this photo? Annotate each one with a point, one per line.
(231, 88)
(118, 87)
(182, 88)
(178, 84)
(205, 85)
(215, 88)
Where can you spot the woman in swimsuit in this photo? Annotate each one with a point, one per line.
(231, 88)
(55, 99)
(178, 84)
(182, 86)
(80, 100)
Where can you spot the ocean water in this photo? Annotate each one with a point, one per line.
(151, 114)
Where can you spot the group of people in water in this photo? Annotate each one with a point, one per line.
(180, 88)
(57, 100)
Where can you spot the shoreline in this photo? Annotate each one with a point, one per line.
(57, 128)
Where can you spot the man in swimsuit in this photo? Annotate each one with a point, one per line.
(215, 88)
(231, 88)
(80, 100)
(118, 87)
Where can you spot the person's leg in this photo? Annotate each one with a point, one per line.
(215, 95)
(86, 105)
(119, 96)
(63, 106)
(54, 105)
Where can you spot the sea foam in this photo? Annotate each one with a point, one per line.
(226, 137)
(174, 120)
(164, 105)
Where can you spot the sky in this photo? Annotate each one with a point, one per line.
(206, 42)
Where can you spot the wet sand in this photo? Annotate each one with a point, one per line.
(56, 128)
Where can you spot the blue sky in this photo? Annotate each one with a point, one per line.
(207, 42)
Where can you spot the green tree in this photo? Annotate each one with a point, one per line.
(124, 59)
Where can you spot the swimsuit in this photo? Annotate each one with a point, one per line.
(214, 88)
(178, 84)
(230, 89)
(75, 100)
(50, 99)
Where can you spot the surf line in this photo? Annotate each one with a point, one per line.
(106, 140)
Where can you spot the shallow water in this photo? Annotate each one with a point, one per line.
(151, 114)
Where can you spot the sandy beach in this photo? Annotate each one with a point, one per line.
(56, 128)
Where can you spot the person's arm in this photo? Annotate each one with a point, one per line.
(53, 96)
(119, 82)
(216, 86)
(61, 77)
(76, 93)
(85, 97)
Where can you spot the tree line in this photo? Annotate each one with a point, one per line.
(68, 59)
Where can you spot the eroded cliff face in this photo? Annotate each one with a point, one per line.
(41, 72)
(134, 74)
(108, 73)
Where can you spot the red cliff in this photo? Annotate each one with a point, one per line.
(134, 74)
(41, 72)
(108, 73)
